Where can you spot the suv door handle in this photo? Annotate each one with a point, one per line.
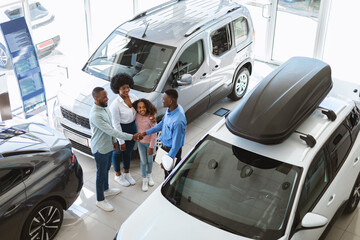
(203, 76)
(356, 161)
(215, 68)
(331, 199)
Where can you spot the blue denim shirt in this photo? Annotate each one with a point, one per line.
(173, 130)
(103, 133)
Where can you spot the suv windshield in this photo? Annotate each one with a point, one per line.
(234, 189)
(144, 61)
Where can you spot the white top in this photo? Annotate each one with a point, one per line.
(121, 113)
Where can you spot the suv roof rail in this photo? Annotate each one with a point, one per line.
(154, 9)
(207, 22)
(331, 115)
(309, 139)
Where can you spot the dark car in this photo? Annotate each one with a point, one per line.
(39, 178)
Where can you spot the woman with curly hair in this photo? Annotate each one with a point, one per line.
(123, 118)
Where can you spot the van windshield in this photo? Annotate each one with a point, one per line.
(144, 61)
(233, 189)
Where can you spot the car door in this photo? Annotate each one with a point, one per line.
(222, 52)
(325, 193)
(191, 59)
(12, 199)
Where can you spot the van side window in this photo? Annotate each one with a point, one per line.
(316, 180)
(221, 40)
(241, 30)
(339, 145)
(189, 62)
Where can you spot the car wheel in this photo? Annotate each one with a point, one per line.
(44, 221)
(4, 57)
(354, 197)
(241, 83)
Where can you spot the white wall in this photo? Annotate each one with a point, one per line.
(342, 44)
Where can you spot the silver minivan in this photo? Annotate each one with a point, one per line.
(203, 49)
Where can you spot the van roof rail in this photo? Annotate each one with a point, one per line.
(331, 115)
(309, 139)
(206, 22)
(154, 9)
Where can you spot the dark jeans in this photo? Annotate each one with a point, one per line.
(178, 158)
(103, 164)
(124, 156)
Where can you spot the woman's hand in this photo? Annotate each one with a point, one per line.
(150, 151)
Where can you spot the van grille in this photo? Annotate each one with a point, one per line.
(81, 147)
(82, 121)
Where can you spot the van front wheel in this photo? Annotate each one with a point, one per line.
(241, 83)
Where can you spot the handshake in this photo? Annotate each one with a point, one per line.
(137, 137)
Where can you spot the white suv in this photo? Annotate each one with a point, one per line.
(282, 165)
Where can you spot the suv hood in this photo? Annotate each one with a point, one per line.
(30, 137)
(158, 218)
(75, 93)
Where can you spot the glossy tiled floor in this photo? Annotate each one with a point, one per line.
(84, 221)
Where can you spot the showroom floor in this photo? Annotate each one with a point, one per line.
(84, 221)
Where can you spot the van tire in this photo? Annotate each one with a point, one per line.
(354, 198)
(241, 83)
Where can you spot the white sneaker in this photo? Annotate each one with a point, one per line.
(145, 185)
(129, 178)
(111, 192)
(104, 205)
(151, 181)
(120, 179)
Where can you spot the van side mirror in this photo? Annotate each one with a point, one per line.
(313, 220)
(185, 79)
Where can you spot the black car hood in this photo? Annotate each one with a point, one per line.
(30, 137)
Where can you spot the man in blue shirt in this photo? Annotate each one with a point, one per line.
(172, 126)
(103, 142)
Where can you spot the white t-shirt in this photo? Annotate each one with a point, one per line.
(121, 113)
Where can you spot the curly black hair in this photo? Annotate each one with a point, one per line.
(119, 80)
(150, 108)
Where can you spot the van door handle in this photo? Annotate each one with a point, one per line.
(215, 68)
(331, 199)
(203, 76)
(356, 161)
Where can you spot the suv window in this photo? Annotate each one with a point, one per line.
(339, 145)
(189, 62)
(9, 178)
(221, 40)
(241, 30)
(316, 180)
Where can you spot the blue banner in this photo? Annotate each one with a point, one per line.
(26, 65)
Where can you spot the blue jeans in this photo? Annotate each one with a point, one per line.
(124, 156)
(103, 164)
(146, 161)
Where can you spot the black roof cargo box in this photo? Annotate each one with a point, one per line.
(281, 101)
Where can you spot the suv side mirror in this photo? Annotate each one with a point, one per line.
(185, 79)
(313, 220)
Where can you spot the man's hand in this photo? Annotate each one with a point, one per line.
(115, 145)
(143, 134)
(123, 147)
(150, 151)
(137, 137)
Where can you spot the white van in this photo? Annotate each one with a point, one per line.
(203, 49)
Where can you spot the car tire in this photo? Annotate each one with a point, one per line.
(4, 58)
(241, 83)
(354, 198)
(44, 221)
